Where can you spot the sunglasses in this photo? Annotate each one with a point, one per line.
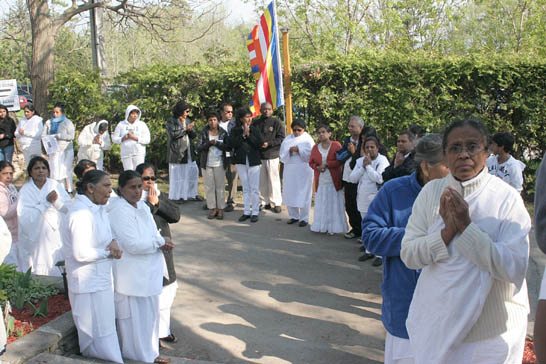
(152, 178)
(297, 129)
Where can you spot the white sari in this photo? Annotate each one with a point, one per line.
(39, 226)
(297, 178)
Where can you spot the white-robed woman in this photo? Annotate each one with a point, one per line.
(367, 173)
(5, 247)
(133, 135)
(93, 141)
(89, 248)
(468, 233)
(29, 133)
(8, 208)
(61, 159)
(40, 209)
(297, 177)
(138, 276)
(183, 170)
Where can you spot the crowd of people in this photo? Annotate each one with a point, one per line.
(451, 236)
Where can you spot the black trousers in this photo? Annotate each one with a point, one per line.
(355, 220)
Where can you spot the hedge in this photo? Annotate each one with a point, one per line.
(389, 91)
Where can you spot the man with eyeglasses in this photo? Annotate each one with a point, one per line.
(270, 182)
(403, 163)
(227, 123)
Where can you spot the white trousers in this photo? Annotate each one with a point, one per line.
(183, 179)
(270, 182)
(397, 350)
(138, 326)
(94, 317)
(132, 161)
(250, 179)
(30, 151)
(298, 213)
(166, 299)
(215, 189)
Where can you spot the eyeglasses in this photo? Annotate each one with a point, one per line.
(472, 149)
(298, 130)
(152, 178)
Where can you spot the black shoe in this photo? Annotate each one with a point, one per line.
(254, 218)
(229, 208)
(276, 209)
(363, 249)
(244, 218)
(205, 207)
(366, 257)
(292, 221)
(267, 207)
(302, 223)
(377, 262)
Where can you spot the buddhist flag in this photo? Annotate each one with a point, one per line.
(265, 61)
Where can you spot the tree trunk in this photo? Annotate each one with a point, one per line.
(43, 49)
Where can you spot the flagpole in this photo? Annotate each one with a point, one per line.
(287, 79)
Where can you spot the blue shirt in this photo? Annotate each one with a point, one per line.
(382, 231)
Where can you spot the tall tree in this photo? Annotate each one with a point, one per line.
(46, 23)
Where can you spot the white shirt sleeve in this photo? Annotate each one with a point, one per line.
(419, 248)
(145, 135)
(80, 227)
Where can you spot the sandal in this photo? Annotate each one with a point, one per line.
(220, 215)
(170, 339)
(212, 214)
(162, 360)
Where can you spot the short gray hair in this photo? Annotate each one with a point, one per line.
(358, 119)
(429, 149)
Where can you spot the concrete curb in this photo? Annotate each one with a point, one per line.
(52, 358)
(57, 335)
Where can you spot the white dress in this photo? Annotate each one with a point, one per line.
(183, 177)
(31, 139)
(39, 223)
(92, 151)
(367, 178)
(5, 246)
(138, 279)
(61, 161)
(297, 178)
(86, 235)
(329, 214)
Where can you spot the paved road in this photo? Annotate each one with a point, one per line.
(272, 293)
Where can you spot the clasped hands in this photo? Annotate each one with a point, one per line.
(454, 213)
(115, 251)
(168, 246)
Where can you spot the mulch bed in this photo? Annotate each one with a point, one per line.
(26, 323)
(529, 353)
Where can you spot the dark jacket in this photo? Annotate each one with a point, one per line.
(8, 128)
(343, 154)
(203, 145)
(407, 167)
(273, 133)
(244, 147)
(178, 149)
(165, 213)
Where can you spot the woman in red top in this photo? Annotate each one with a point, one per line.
(329, 216)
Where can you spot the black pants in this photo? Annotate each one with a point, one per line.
(355, 220)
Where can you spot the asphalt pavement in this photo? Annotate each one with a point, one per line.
(268, 292)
